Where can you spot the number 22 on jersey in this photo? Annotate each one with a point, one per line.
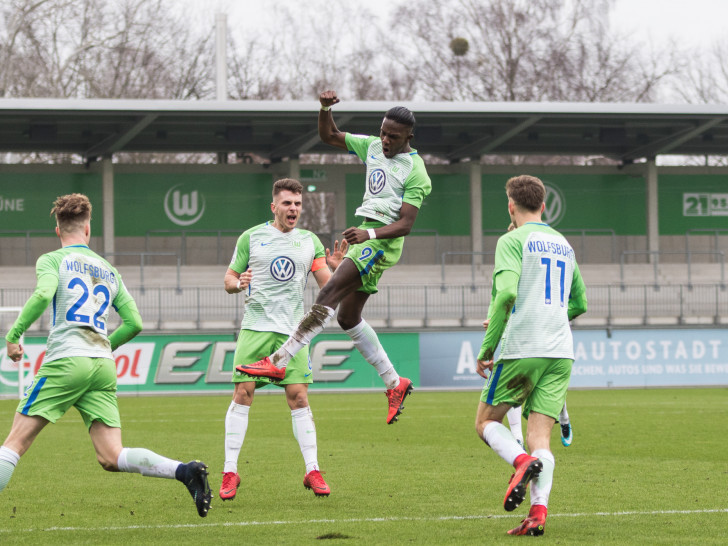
(88, 310)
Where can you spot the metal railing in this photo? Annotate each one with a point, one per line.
(705, 231)
(418, 306)
(472, 264)
(184, 233)
(26, 234)
(142, 256)
(656, 262)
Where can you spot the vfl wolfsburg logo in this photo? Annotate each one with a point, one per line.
(555, 205)
(184, 209)
(282, 269)
(377, 180)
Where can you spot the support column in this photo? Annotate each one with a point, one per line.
(294, 168)
(476, 209)
(107, 179)
(653, 228)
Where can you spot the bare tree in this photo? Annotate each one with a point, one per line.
(526, 50)
(101, 49)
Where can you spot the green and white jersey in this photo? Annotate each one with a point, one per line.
(87, 288)
(548, 273)
(390, 182)
(280, 263)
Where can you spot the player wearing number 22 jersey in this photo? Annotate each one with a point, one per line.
(78, 368)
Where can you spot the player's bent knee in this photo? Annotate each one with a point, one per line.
(106, 464)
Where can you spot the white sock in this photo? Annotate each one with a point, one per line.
(236, 425)
(564, 416)
(312, 323)
(304, 431)
(541, 486)
(366, 341)
(8, 461)
(500, 440)
(514, 422)
(147, 463)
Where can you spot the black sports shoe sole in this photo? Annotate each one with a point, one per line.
(198, 486)
(518, 493)
(401, 406)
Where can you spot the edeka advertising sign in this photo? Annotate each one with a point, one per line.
(439, 360)
(204, 363)
(626, 358)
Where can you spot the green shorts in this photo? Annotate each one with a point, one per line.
(88, 384)
(374, 257)
(537, 384)
(253, 346)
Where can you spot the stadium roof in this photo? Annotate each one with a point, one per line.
(281, 129)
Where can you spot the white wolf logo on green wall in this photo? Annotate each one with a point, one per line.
(555, 205)
(184, 209)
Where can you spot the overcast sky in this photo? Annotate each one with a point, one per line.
(692, 22)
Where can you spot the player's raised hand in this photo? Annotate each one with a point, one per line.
(334, 258)
(328, 98)
(244, 279)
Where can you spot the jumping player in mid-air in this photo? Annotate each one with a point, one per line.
(396, 185)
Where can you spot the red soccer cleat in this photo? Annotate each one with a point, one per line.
(534, 524)
(229, 487)
(315, 481)
(263, 368)
(528, 469)
(396, 396)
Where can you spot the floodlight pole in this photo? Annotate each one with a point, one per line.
(220, 55)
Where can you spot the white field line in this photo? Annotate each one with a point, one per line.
(362, 520)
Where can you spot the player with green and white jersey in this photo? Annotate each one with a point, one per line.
(396, 185)
(537, 290)
(78, 367)
(270, 265)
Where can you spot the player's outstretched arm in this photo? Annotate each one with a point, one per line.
(328, 131)
(131, 325)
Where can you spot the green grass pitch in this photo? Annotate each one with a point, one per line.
(646, 467)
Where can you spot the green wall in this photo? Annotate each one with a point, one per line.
(576, 202)
(693, 202)
(222, 201)
(26, 199)
(236, 202)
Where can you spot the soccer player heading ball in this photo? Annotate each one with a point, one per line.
(396, 185)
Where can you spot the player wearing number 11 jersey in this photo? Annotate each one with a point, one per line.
(537, 290)
(78, 369)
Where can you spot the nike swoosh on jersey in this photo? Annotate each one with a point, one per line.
(264, 244)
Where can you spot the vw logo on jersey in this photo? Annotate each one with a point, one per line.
(377, 181)
(282, 269)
